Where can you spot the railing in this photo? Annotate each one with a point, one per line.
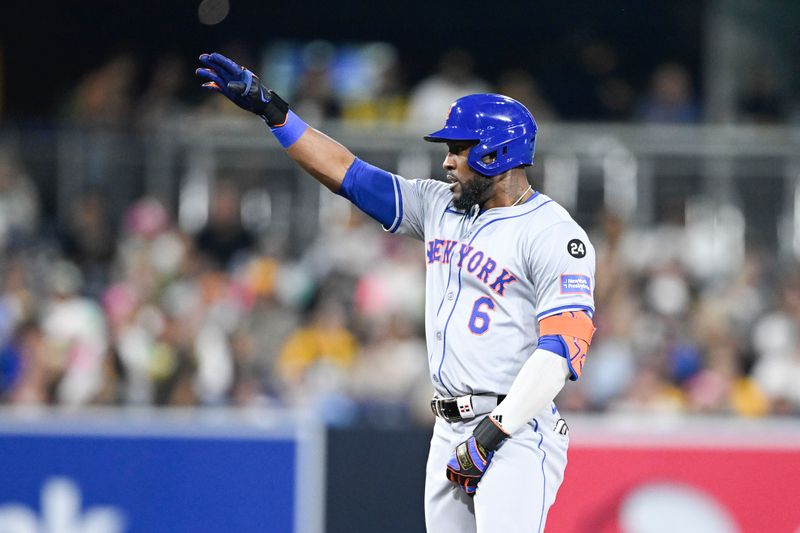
(745, 181)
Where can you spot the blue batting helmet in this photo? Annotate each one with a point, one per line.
(500, 125)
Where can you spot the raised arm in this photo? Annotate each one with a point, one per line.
(318, 154)
(322, 157)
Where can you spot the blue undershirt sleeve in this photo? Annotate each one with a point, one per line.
(557, 345)
(553, 343)
(374, 191)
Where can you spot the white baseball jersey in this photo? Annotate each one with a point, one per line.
(491, 276)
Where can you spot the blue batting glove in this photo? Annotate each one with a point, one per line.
(472, 457)
(243, 88)
(468, 464)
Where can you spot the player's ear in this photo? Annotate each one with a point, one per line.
(488, 159)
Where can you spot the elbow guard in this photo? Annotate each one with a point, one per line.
(568, 334)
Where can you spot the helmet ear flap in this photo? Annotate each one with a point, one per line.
(504, 154)
(483, 159)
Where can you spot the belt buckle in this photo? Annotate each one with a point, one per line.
(451, 419)
(437, 406)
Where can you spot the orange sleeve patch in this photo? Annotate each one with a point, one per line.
(576, 329)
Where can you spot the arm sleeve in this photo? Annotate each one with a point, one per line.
(374, 191)
(562, 270)
(399, 204)
(539, 381)
(568, 334)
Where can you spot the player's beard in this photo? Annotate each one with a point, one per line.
(473, 192)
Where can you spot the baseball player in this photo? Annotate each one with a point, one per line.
(509, 300)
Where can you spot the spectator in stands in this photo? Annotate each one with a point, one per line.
(611, 94)
(394, 351)
(388, 101)
(271, 318)
(104, 97)
(25, 377)
(520, 85)
(88, 240)
(224, 237)
(670, 98)
(149, 262)
(162, 100)
(454, 79)
(152, 250)
(314, 94)
(103, 109)
(19, 202)
(316, 358)
(588, 82)
(75, 333)
(762, 101)
(776, 338)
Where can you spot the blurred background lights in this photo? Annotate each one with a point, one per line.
(211, 12)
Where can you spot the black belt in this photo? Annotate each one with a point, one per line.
(465, 407)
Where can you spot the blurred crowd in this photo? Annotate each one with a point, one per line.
(143, 313)
(595, 81)
(676, 336)
(134, 310)
(116, 303)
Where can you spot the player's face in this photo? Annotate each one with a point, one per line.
(468, 187)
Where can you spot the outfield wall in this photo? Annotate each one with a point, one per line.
(160, 471)
(113, 471)
(654, 475)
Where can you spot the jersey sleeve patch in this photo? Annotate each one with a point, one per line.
(576, 284)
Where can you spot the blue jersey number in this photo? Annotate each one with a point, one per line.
(479, 320)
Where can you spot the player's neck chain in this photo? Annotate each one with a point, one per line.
(521, 196)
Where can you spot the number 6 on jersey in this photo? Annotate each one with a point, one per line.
(479, 320)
